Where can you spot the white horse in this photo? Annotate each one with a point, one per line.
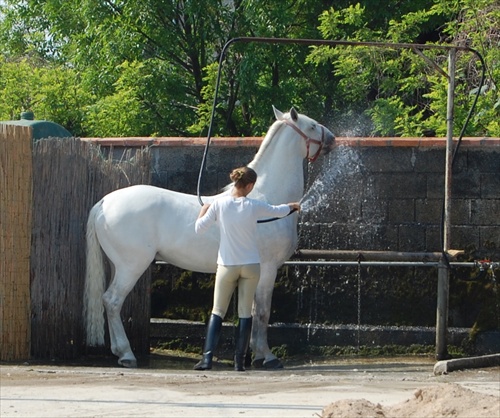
(138, 224)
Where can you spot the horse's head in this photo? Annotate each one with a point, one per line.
(318, 139)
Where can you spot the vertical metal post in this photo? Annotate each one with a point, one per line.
(443, 270)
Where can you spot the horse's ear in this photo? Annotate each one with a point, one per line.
(293, 114)
(278, 114)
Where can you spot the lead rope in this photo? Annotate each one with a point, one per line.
(263, 221)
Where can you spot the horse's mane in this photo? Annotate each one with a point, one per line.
(262, 149)
(265, 142)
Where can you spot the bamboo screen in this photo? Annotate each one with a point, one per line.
(15, 241)
(70, 176)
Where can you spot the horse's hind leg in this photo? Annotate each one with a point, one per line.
(121, 285)
(261, 313)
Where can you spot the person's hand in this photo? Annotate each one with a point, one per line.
(294, 206)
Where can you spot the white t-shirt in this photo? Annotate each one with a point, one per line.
(237, 219)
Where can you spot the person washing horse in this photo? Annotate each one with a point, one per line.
(238, 260)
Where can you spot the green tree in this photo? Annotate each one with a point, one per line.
(477, 25)
(170, 48)
(165, 43)
(399, 91)
(149, 67)
(52, 92)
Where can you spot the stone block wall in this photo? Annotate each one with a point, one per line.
(388, 195)
(367, 194)
(176, 162)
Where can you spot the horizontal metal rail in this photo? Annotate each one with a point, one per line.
(377, 263)
(368, 263)
(370, 255)
(325, 42)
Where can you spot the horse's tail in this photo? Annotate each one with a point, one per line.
(93, 308)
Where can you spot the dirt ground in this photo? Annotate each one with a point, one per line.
(167, 387)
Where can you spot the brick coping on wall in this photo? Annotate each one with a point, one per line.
(256, 141)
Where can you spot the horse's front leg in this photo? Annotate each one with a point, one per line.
(263, 357)
(113, 299)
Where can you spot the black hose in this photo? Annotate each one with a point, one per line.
(212, 117)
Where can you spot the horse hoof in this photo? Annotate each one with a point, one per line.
(258, 363)
(273, 364)
(130, 364)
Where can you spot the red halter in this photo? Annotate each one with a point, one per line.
(308, 139)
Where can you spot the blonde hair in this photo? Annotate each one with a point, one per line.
(243, 176)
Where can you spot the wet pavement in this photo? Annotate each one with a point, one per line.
(169, 388)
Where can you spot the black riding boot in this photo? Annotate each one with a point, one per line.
(211, 340)
(243, 339)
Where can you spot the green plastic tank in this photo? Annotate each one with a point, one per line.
(41, 128)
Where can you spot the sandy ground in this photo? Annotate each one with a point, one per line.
(395, 387)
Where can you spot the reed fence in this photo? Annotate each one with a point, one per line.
(70, 176)
(15, 241)
(47, 190)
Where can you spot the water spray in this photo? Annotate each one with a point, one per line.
(486, 267)
(417, 48)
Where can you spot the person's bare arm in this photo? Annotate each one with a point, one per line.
(203, 210)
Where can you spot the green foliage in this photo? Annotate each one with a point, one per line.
(405, 95)
(319, 353)
(180, 294)
(51, 91)
(120, 113)
(204, 110)
(385, 114)
(345, 23)
(149, 67)
(177, 345)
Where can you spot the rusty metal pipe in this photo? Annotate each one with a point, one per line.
(362, 255)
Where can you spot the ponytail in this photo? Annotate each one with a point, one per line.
(243, 176)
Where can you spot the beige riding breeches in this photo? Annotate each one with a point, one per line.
(245, 277)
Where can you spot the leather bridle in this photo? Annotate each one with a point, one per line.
(312, 159)
(309, 139)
